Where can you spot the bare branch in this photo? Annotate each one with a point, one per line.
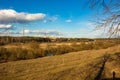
(111, 14)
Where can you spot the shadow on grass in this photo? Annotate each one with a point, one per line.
(111, 79)
(99, 74)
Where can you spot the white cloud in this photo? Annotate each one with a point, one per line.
(27, 31)
(3, 26)
(43, 32)
(68, 21)
(53, 18)
(11, 16)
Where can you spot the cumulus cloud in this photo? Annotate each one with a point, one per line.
(11, 16)
(27, 31)
(3, 26)
(52, 32)
(43, 32)
(68, 21)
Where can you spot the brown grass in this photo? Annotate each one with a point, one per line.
(71, 66)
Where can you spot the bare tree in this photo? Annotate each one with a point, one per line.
(108, 15)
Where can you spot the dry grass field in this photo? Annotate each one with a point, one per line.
(81, 65)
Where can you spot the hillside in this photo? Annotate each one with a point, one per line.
(82, 65)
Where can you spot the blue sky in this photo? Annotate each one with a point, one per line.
(71, 18)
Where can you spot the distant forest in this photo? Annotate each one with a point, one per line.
(7, 39)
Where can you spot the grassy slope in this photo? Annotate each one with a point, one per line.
(71, 66)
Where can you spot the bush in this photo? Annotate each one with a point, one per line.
(33, 45)
(4, 54)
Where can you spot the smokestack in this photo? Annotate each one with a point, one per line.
(23, 31)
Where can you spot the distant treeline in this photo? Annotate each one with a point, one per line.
(7, 39)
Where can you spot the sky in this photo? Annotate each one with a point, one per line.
(63, 18)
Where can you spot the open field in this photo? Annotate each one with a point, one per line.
(81, 65)
(31, 50)
(60, 40)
